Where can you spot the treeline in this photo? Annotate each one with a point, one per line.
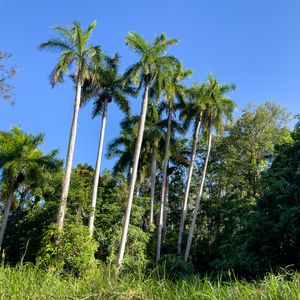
(191, 187)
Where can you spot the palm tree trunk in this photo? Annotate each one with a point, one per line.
(5, 217)
(153, 180)
(165, 222)
(97, 170)
(163, 188)
(134, 174)
(199, 196)
(188, 185)
(69, 162)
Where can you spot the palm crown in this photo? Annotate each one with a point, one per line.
(73, 49)
(153, 63)
(219, 107)
(107, 85)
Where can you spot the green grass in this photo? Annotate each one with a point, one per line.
(27, 282)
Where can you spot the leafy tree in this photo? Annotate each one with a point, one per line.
(149, 69)
(73, 51)
(22, 164)
(6, 90)
(229, 186)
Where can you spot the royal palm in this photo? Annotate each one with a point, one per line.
(219, 108)
(173, 88)
(74, 52)
(150, 69)
(105, 86)
(191, 113)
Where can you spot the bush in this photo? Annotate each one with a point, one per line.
(135, 255)
(173, 267)
(73, 251)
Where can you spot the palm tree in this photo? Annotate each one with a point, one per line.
(22, 164)
(73, 51)
(150, 69)
(107, 87)
(191, 113)
(219, 108)
(173, 88)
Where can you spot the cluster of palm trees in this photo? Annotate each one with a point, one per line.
(159, 76)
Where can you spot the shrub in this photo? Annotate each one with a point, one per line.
(73, 251)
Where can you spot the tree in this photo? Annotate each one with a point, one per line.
(22, 164)
(191, 112)
(6, 90)
(271, 235)
(234, 186)
(73, 51)
(107, 87)
(218, 109)
(149, 69)
(173, 88)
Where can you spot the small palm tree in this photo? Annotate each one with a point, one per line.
(22, 164)
(73, 52)
(173, 88)
(105, 87)
(219, 108)
(191, 113)
(150, 68)
(122, 147)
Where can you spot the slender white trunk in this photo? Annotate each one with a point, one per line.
(188, 185)
(68, 169)
(199, 196)
(97, 170)
(163, 189)
(165, 223)
(133, 175)
(5, 217)
(153, 180)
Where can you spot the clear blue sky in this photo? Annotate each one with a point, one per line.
(252, 43)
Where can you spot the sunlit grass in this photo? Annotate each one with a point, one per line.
(28, 282)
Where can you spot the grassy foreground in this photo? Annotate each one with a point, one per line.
(26, 282)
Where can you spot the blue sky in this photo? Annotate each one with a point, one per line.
(252, 43)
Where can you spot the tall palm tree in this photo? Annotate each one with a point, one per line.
(150, 68)
(219, 108)
(191, 113)
(107, 87)
(22, 164)
(72, 45)
(173, 88)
